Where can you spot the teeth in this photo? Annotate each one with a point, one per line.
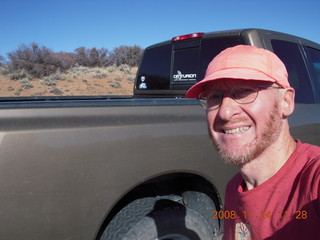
(236, 130)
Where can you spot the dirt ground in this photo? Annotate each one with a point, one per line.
(89, 82)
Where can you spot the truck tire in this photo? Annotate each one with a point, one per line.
(158, 218)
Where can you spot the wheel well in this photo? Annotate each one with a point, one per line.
(169, 184)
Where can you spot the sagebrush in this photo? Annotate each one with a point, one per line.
(37, 61)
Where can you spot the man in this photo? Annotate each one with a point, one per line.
(248, 99)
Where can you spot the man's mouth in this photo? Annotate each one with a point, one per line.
(236, 130)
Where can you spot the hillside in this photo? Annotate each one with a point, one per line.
(77, 81)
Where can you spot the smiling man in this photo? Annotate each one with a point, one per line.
(248, 99)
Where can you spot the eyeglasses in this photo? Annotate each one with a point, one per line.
(212, 99)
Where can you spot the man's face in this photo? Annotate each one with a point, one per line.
(241, 132)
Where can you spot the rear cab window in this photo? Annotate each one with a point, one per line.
(179, 65)
(154, 69)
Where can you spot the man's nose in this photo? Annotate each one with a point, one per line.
(228, 108)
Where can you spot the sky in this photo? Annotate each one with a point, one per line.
(64, 25)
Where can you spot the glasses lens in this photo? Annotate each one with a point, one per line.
(244, 94)
(210, 99)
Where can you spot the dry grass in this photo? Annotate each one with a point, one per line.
(78, 81)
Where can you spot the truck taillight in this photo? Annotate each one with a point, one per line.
(187, 36)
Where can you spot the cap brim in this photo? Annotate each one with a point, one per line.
(234, 73)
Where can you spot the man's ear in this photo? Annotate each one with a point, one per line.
(288, 101)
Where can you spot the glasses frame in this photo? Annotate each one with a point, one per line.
(204, 103)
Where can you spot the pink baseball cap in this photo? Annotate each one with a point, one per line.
(246, 63)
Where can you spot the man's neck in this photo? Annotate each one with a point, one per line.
(267, 164)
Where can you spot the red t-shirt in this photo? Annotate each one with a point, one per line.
(287, 206)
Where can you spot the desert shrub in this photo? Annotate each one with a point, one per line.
(130, 55)
(49, 81)
(57, 76)
(39, 61)
(33, 59)
(10, 88)
(94, 58)
(118, 79)
(56, 91)
(100, 75)
(112, 68)
(25, 83)
(91, 57)
(115, 84)
(2, 60)
(77, 69)
(131, 78)
(125, 68)
(19, 74)
(63, 60)
(81, 56)
(4, 70)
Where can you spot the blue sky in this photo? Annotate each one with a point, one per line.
(64, 25)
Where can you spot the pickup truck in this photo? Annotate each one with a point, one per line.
(135, 167)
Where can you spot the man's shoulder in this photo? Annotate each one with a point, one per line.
(312, 152)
